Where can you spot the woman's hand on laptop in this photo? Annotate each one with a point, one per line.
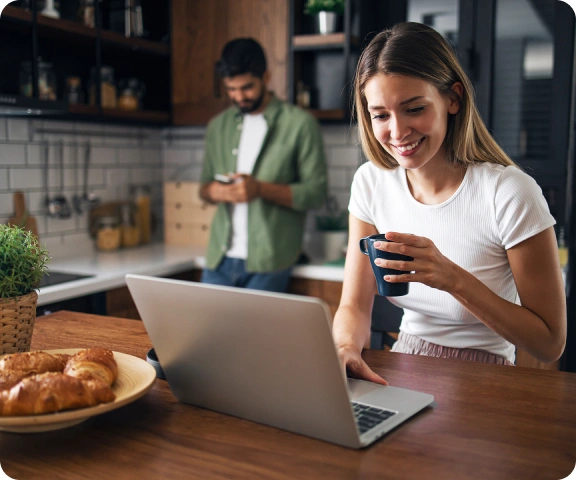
(356, 367)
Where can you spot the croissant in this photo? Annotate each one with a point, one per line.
(93, 364)
(9, 378)
(34, 362)
(52, 392)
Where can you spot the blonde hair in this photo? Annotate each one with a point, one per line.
(416, 50)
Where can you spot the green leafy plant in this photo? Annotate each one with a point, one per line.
(315, 6)
(22, 261)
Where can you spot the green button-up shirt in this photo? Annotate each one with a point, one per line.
(292, 154)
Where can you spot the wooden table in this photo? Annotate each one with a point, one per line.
(488, 422)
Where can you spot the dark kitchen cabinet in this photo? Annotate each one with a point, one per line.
(199, 32)
(74, 49)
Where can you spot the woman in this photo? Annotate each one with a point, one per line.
(444, 193)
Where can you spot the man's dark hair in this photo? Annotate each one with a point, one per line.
(240, 56)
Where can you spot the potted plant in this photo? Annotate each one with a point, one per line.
(22, 264)
(326, 12)
(333, 225)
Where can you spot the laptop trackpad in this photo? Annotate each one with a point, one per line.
(391, 398)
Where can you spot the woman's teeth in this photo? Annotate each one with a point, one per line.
(406, 148)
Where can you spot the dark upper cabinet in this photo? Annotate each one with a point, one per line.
(200, 29)
(44, 52)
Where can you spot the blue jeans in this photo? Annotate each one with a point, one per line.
(232, 273)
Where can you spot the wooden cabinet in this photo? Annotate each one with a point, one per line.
(200, 29)
(119, 302)
(328, 291)
(187, 218)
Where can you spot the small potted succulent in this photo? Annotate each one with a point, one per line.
(326, 12)
(22, 264)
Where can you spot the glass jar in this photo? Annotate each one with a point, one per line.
(131, 93)
(86, 13)
(74, 93)
(46, 80)
(141, 196)
(108, 234)
(107, 87)
(129, 225)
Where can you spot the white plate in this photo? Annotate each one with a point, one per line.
(135, 378)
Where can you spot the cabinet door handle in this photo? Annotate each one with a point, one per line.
(178, 206)
(178, 226)
(216, 81)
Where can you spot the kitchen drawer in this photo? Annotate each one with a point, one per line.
(188, 212)
(182, 192)
(186, 234)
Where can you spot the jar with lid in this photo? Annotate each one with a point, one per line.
(129, 225)
(74, 93)
(46, 80)
(131, 93)
(108, 234)
(107, 87)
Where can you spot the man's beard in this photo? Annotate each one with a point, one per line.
(254, 105)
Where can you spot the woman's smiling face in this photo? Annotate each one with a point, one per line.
(409, 118)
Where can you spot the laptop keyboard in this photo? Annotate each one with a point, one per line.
(368, 417)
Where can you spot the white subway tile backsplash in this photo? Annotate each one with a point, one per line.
(101, 156)
(337, 178)
(6, 204)
(3, 129)
(96, 177)
(142, 175)
(176, 156)
(3, 178)
(59, 225)
(35, 155)
(343, 156)
(117, 176)
(18, 129)
(129, 156)
(25, 178)
(12, 154)
(198, 156)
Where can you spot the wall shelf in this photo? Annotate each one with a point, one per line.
(321, 42)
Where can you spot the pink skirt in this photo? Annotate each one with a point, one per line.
(416, 346)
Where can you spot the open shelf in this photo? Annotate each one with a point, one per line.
(321, 42)
(15, 13)
(138, 115)
(334, 114)
(135, 44)
(56, 27)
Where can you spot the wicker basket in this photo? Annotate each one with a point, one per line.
(17, 316)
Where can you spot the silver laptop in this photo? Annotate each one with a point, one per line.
(265, 357)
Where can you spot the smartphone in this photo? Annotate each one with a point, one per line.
(223, 178)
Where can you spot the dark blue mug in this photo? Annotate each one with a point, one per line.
(385, 289)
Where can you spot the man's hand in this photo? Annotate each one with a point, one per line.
(244, 189)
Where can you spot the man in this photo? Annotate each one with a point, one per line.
(276, 152)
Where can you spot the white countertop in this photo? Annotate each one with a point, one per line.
(109, 269)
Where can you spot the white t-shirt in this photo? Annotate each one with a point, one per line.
(254, 130)
(494, 208)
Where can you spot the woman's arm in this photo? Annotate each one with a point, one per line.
(351, 329)
(538, 326)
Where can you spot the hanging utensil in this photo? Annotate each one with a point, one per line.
(77, 197)
(65, 210)
(52, 206)
(89, 199)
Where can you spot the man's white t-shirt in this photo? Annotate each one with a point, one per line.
(494, 208)
(254, 130)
